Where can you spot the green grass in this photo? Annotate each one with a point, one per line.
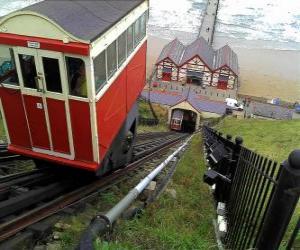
(2, 131)
(181, 223)
(275, 139)
(161, 112)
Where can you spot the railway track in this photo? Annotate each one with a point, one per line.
(27, 198)
(12, 163)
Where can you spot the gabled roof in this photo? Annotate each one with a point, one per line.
(173, 51)
(173, 98)
(201, 48)
(181, 54)
(86, 20)
(225, 56)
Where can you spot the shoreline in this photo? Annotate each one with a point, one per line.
(264, 72)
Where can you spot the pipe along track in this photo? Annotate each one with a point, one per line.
(20, 196)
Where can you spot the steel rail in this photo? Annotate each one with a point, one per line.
(10, 228)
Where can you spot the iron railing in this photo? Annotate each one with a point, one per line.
(259, 195)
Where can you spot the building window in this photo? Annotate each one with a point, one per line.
(121, 48)
(111, 59)
(129, 40)
(100, 70)
(8, 73)
(76, 76)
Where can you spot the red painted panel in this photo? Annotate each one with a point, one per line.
(81, 129)
(58, 125)
(136, 75)
(15, 117)
(45, 43)
(222, 85)
(166, 76)
(37, 122)
(61, 161)
(111, 113)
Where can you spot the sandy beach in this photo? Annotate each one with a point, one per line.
(263, 72)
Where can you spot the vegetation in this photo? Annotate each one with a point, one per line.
(184, 222)
(162, 115)
(2, 131)
(275, 139)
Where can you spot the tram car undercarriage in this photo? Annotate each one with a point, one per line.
(70, 76)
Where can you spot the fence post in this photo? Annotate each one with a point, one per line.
(282, 205)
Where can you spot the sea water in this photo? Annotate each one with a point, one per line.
(266, 23)
(271, 24)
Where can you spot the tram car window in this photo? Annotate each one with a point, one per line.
(100, 70)
(76, 76)
(8, 73)
(75, 84)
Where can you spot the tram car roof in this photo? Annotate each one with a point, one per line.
(85, 20)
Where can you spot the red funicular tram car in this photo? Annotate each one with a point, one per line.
(70, 75)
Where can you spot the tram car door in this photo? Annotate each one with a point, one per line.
(45, 96)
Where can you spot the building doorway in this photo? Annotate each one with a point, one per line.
(183, 121)
(167, 74)
(194, 77)
(223, 82)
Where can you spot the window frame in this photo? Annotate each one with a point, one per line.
(110, 74)
(118, 54)
(16, 85)
(97, 89)
(89, 84)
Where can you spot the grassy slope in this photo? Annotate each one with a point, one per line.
(181, 223)
(275, 139)
(2, 132)
(161, 112)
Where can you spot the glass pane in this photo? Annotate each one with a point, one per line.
(52, 74)
(8, 73)
(76, 76)
(111, 59)
(143, 26)
(121, 48)
(28, 69)
(129, 40)
(100, 70)
(137, 32)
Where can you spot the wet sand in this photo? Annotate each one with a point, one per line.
(263, 72)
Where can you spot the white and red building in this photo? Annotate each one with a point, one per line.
(198, 64)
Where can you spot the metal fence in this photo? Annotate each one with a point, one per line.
(255, 196)
(148, 121)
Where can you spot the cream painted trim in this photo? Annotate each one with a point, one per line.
(119, 70)
(10, 86)
(31, 13)
(49, 152)
(4, 122)
(113, 33)
(93, 114)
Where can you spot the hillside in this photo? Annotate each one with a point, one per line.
(275, 139)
